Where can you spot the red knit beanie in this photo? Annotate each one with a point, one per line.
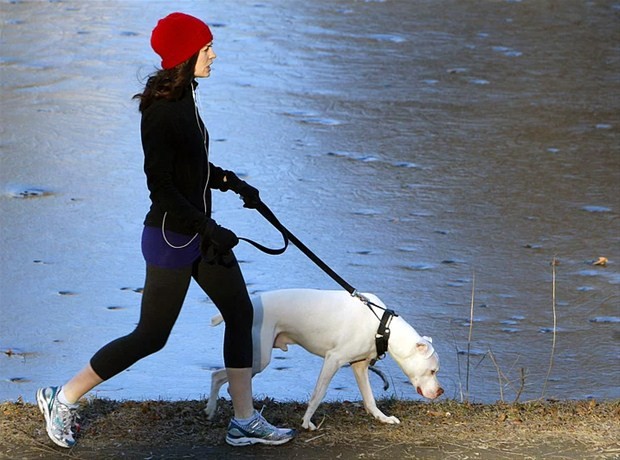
(177, 37)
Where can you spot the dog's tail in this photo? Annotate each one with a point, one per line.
(217, 319)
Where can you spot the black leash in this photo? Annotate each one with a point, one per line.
(383, 333)
(288, 236)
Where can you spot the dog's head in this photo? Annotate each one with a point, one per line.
(421, 364)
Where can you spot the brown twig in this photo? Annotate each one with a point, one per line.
(522, 386)
(38, 445)
(499, 375)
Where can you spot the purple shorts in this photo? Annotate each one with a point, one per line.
(173, 253)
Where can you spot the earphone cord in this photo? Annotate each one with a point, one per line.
(204, 192)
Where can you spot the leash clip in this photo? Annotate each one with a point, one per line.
(361, 297)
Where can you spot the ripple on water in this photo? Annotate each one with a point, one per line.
(605, 319)
(367, 212)
(353, 156)
(212, 367)
(506, 51)
(312, 118)
(388, 38)
(509, 322)
(28, 192)
(593, 208)
(451, 261)
(417, 267)
(471, 352)
(479, 81)
(404, 164)
(320, 121)
(456, 70)
(589, 273)
(457, 283)
(362, 252)
(550, 330)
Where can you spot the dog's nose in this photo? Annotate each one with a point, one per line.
(439, 392)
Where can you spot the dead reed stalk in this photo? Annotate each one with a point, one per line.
(471, 330)
(554, 263)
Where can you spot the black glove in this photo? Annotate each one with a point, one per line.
(216, 240)
(249, 194)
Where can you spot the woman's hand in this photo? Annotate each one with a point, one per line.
(216, 240)
(249, 194)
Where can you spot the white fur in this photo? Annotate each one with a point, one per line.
(341, 329)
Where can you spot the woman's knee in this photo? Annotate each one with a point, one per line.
(150, 343)
(238, 319)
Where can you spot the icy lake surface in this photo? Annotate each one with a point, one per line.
(440, 154)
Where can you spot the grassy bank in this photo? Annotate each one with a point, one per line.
(179, 429)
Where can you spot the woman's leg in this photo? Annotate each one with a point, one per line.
(80, 384)
(225, 286)
(162, 298)
(240, 389)
(164, 292)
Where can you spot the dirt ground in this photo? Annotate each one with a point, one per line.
(446, 430)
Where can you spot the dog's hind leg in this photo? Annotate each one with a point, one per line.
(218, 378)
(330, 366)
(360, 369)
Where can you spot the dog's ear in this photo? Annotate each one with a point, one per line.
(425, 348)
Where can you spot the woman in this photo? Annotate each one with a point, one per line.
(180, 241)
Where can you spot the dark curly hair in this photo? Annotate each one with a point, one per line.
(167, 83)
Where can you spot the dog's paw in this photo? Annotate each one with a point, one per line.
(308, 425)
(210, 410)
(390, 420)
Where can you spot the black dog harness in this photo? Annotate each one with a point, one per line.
(382, 336)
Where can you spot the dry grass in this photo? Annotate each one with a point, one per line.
(162, 429)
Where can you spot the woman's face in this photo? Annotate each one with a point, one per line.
(206, 55)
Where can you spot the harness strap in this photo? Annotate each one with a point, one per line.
(383, 333)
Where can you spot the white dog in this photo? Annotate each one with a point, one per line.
(340, 328)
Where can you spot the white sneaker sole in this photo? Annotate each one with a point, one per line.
(240, 442)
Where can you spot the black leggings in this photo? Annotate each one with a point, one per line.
(163, 296)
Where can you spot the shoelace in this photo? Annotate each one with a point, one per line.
(274, 429)
(68, 418)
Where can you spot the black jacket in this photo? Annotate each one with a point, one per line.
(175, 143)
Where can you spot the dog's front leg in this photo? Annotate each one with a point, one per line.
(330, 366)
(218, 378)
(360, 369)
